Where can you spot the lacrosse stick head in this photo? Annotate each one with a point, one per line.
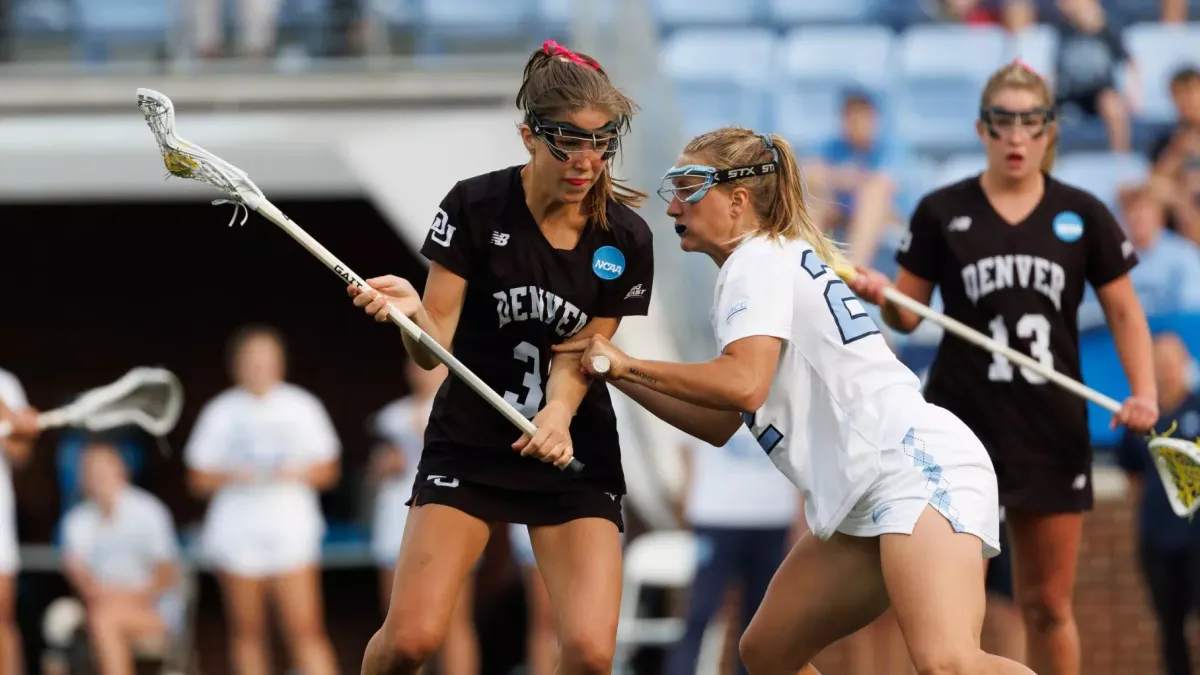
(187, 160)
(151, 398)
(1178, 464)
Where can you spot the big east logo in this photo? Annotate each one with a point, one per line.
(608, 263)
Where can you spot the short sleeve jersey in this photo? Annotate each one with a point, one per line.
(1022, 285)
(122, 550)
(839, 395)
(522, 296)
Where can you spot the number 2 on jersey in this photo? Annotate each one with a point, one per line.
(1032, 327)
(851, 318)
(528, 354)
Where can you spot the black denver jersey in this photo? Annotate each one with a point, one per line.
(523, 296)
(1021, 284)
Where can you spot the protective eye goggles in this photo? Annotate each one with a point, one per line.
(999, 121)
(566, 141)
(691, 182)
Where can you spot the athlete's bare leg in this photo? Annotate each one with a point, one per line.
(935, 580)
(1045, 554)
(823, 591)
(440, 548)
(580, 562)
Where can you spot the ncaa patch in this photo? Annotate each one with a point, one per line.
(1068, 226)
(608, 263)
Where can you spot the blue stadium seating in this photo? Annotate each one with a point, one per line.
(1159, 50)
(102, 23)
(1102, 173)
(960, 167)
(554, 16)
(792, 12)
(676, 13)
(807, 115)
(938, 98)
(442, 20)
(713, 92)
(1036, 46)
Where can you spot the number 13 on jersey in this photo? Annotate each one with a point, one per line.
(1032, 327)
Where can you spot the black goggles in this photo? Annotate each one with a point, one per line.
(566, 141)
(999, 120)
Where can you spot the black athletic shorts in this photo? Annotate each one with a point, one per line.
(502, 505)
(1044, 489)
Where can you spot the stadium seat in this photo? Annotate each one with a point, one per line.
(851, 55)
(1102, 173)
(959, 167)
(1037, 46)
(104, 23)
(554, 16)
(938, 97)
(1159, 50)
(656, 559)
(41, 17)
(712, 92)
(470, 20)
(675, 13)
(793, 12)
(807, 115)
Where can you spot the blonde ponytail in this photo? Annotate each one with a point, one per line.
(779, 198)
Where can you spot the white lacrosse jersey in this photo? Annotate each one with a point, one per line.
(839, 395)
(125, 548)
(238, 431)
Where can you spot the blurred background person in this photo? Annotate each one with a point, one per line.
(1003, 626)
(742, 511)
(262, 451)
(15, 409)
(257, 25)
(541, 639)
(401, 426)
(1090, 53)
(852, 177)
(1168, 279)
(1176, 156)
(121, 558)
(1168, 546)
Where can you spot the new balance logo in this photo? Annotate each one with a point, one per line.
(499, 238)
(959, 224)
(635, 292)
(611, 496)
(443, 481)
(1127, 248)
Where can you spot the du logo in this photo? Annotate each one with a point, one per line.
(441, 231)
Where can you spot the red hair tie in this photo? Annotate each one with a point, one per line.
(554, 49)
(1021, 62)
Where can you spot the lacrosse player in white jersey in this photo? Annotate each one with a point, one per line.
(262, 450)
(900, 496)
(14, 449)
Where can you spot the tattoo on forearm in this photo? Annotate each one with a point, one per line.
(644, 377)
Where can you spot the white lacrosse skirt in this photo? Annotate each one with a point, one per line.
(940, 464)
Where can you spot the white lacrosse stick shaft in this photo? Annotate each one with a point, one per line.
(980, 340)
(248, 194)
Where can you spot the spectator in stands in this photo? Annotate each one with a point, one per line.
(257, 26)
(852, 175)
(1012, 14)
(1174, 11)
(1169, 546)
(15, 449)
(742, 511)
(1176, 157)
(121, 558)
(401, 426)
(261, 451)
(1168, 278)
(1090, 52)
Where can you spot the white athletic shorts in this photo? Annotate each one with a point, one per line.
(941, 464)
(262, 552)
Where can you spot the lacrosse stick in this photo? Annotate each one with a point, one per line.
(151, 398)
(185, 160)
(1177, 460)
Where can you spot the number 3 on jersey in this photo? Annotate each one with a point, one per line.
(851, 317)
(1032, 327)
(528, 354)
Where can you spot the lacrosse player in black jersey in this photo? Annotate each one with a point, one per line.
(1011, 250)
(522, 259)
